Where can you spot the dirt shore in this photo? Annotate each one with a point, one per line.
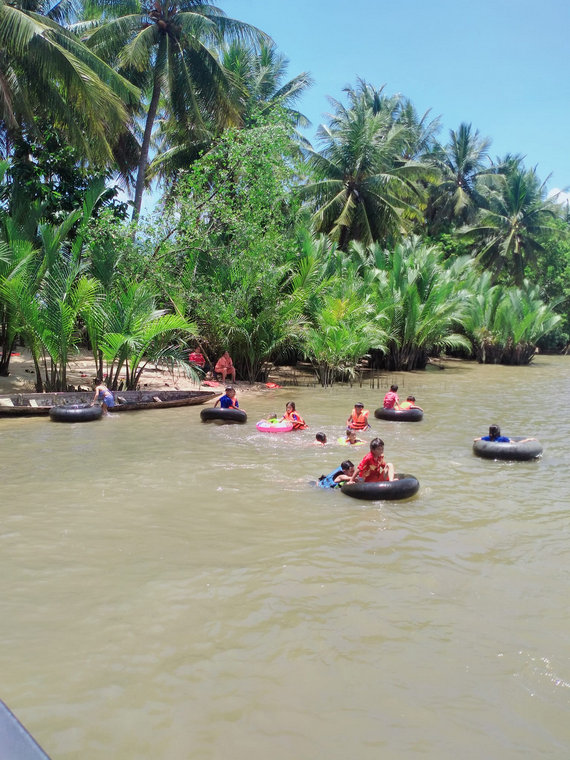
(81, 372)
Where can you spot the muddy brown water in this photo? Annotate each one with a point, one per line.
(173, 590)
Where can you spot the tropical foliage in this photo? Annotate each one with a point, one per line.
(364, 187)
(515, 213)
(506, 323)
(168, 49)
(454, 197)
(46, 71)
(382, 241)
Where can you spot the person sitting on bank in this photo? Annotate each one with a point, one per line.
(496, 437)
(104, 396)
(291, 415)
(228, 399)
(410, 403)
(391, 400)
(358, 419)
(197, 357)
(337, 476)
(373, 468)
(225, 367)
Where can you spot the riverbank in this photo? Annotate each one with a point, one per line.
(81, 374)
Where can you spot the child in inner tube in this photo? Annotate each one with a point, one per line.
(373, 468)
(228, 400)
(291, 415)
(496, 437)
(351, 439)
(391, 399)
(410, 403)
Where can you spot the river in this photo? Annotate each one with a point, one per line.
(177, 591)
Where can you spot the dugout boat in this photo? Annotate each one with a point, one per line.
(39, 404)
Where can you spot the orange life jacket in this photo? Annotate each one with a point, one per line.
(359, 421)
(297, 421)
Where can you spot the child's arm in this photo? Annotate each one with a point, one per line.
(358, 473)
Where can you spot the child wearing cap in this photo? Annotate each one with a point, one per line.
(358, 419)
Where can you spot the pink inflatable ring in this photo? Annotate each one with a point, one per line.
(273, 426)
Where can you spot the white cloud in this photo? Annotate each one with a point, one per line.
(560, 196)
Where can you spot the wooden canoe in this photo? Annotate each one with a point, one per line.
(39, 404)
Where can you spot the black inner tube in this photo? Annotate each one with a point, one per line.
(75, 413)
(223, 415)
(403, 488)
(514, 451)
(402, 415)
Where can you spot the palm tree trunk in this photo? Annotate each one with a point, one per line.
(39, 381)
(6, 349)
(344, 239)
(143, 159)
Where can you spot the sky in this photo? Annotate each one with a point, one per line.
(497, 64)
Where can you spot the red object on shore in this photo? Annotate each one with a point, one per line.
(211, 383)
(196, 357)
(14, 354)
(272, 385)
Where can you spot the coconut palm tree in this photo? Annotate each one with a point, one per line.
(169, 49)
(259, 75)
(421, 130)
(454, 199)
(260, 91)
(516, 214)
(46, 71)
(363, 189)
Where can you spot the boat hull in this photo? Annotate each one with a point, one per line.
(39, 404)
